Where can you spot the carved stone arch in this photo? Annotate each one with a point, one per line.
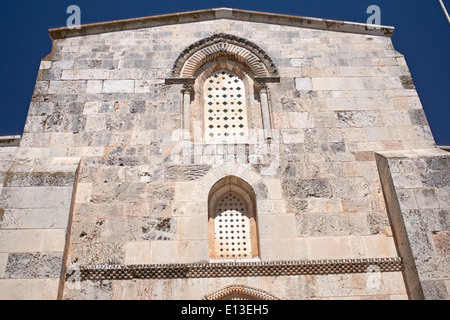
(243, 173)
(223, 44)
(240, 292)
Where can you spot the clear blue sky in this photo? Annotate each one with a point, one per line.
(422, 34)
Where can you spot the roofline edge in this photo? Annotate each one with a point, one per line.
(220, 13)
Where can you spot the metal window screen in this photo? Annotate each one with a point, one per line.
(225, 107)
(232, 228)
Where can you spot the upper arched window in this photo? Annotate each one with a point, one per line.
(229, 125)
(225, 109)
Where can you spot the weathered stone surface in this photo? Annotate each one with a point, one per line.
(423, 208)
(37, 197)
(158, 229)
(378, 223)
(137, 107)
(361, 119)
(418, 117)
(48, 218)
(441, 240)
(332, 224)
(35, 179)
(90, 290)
(433, 267)
(28, 265)
(303, 84)
(118, 86)
(193, 172)
(435, 289)
(92, 253)
(307, 188)
(407, 82)
(426, 198)
(297, 205)
(66, 87)
(261, 191)
(127, 192)
(160, 192)
(438, 179)
(29, 289)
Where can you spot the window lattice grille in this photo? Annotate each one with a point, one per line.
(232, 228)
(225, 107)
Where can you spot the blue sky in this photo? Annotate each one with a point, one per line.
(422, 34)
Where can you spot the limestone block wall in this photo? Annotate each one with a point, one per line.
(364, 286)
(8, 149)
(34, 211)
(416, 185)
(36, 200)
(101, 106)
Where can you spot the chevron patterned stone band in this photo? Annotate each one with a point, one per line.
(235, 269)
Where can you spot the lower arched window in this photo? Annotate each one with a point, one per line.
(232, 220)
(232, 227)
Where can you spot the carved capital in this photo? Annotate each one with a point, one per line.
(188, 88)
(262, 86)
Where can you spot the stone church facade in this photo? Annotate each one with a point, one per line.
(224, 154)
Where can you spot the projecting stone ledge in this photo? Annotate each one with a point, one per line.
(10, 141)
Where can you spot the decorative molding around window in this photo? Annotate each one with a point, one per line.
(222, 44)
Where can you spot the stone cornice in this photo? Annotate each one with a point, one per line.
(234, 269)
(221, 13)
(10, 141)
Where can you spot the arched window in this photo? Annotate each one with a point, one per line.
(225, 109)
(232, 220)
(209, 51)
(232, 227)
